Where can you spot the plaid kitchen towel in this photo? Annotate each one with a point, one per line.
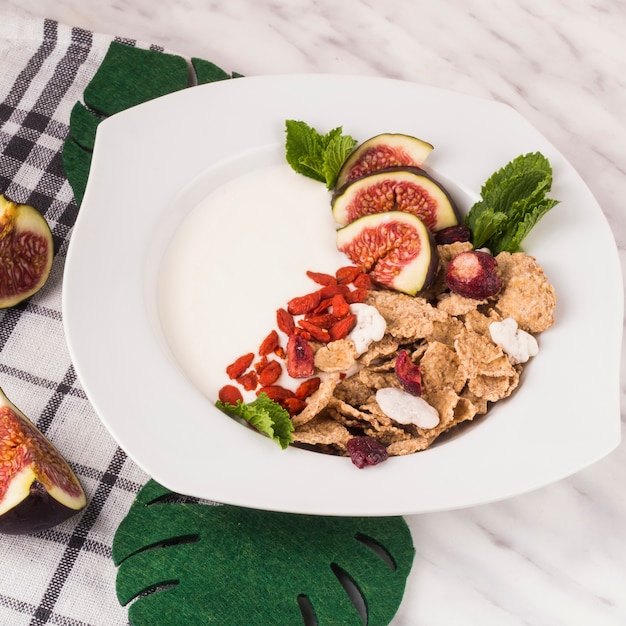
(63, 576)
(52, 77)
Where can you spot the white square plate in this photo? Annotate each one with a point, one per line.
(155, 163)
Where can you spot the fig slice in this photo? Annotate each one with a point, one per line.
(410, 190)
(38, 489)
(381, 152)
(395, 248)
(26, 252)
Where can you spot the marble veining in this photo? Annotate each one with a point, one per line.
(556, 556)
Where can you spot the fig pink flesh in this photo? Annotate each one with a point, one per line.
(395, 248)
(379, 157)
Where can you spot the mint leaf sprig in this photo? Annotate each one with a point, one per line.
(267, 416)
(315, 155)
(513, 200)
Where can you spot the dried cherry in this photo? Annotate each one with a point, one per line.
(366, 451)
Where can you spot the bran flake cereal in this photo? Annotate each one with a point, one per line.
(336, 356)
(527, 296)
(317, 401)
(463, 372)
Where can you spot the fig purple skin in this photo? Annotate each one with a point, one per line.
(383, 151)
(38, 511)
(473, 274)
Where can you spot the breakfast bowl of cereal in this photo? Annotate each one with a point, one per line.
(321, 309)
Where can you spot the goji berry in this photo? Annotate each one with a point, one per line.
(305, 334)
(323, 321)
(270, 373)
(322, 279)
(269, 344)
(356, 295)
(301, 305)
(307, 387)
(276, 392)
(285, 322)
(280, 352)
(363, 280)
(240, 365)
(293, 405)
(300, 357)
(347, 274)
(229, 394)
(339, 306)
(315, 332)
(249, 381)
(322, 307)
(341, 329)
(260, 364)
(332, 290)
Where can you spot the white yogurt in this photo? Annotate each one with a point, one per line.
(370, 326)
(406, 408)
(238, 256)
(517, 343)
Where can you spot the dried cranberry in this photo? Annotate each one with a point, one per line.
(366, 451)
(409, 374)
(300, 357)
(452, 234)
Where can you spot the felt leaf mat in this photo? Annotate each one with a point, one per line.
(126, 77)
(185, 563)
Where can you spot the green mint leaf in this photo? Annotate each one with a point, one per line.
(315, 155)
(512, 237)
(335, 156)
(304, 149)
(312, 166)
(512, 202)
(484, 225)
(267, 416)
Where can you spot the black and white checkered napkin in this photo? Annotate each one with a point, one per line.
(63, 576)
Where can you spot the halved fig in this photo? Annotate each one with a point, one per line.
(410, 190)
(381, 152)
(26, 252)
(38, 489)
(395, 248)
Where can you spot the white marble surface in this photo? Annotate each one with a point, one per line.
(558, 555)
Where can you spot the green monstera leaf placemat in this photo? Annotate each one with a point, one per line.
(127, 76)
(186, 564)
